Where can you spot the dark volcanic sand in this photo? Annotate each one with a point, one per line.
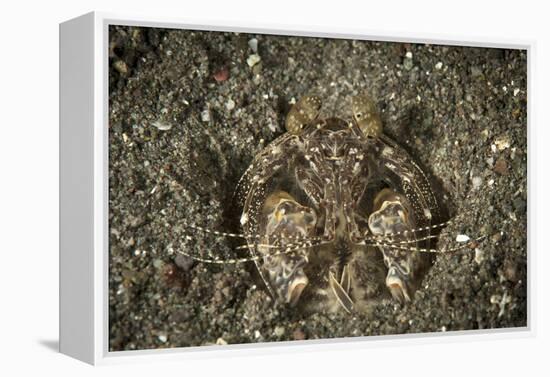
(461, 112)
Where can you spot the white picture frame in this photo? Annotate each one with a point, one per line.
(84, 192)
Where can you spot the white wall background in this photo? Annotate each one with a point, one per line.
(29, 185)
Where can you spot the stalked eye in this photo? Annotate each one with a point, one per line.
(302, 113)
(365, 115)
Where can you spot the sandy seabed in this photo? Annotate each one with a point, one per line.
(189, 110)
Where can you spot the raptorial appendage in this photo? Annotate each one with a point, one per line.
(288, 224)
(394, 220)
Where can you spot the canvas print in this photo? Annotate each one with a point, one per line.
(267, 188)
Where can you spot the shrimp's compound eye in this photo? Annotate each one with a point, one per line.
(365, 115)
(302, 113)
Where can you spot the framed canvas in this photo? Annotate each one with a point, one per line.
(242, 189)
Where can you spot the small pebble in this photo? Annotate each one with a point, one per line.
(221, 342)
(221, 75)
(205, 116)
(121, 67)
(476, 182)
(439, 65)
(163, 338)
(184, 262)
(479, 256)
(501, 167)
(170, 274)
(158, 263)
(510, 271)
(279, 331)
(502, 142)
(162, 126)
(218, 297)
(462, 238)
(520, 205)
(505, 300)
(516, 91)
(253, 44)
(298, 334)
(256, 79)
(408, 63)
(230, 104)
(253, 60)
(476, 71)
